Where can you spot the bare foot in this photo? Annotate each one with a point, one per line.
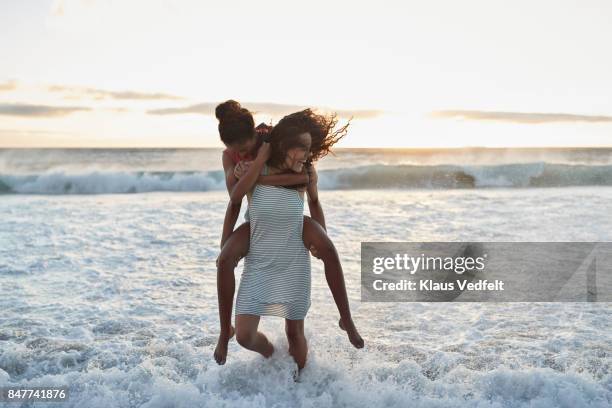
(296, 374)
(221, 349)
(269, 350)
(352, 332)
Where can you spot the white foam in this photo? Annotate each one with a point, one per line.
(119, 302)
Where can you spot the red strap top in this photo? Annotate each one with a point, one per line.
(260, 130)
(233, 155)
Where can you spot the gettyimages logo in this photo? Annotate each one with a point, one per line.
(486, 271)
(458, 264)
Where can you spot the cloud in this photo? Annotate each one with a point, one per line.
(519, 117)
(8, 86)
(273, 109)
(18, 138)
(38, 110)
(73, 92)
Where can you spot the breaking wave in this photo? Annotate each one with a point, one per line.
(520, 175)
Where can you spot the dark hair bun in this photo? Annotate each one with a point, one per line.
(227, 108)
(236, 124)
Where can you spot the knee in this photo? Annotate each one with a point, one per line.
(234, 249)
(326, 251)
(324, 248)
(227, 260)
(316, 237)
(244, 337)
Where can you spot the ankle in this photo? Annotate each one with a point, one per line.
(347, 319)
(226, 332)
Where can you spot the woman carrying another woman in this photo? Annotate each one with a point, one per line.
(236, 127)
(276, 280)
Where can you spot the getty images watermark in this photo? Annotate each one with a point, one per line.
(486, 271)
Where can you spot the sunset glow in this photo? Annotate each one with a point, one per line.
(411, 74)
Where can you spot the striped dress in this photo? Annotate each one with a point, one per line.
(276, 275)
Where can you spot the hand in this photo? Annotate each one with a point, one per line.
(241, 168)
(262, 129)
(312, 175)
(238, 170)
(303, 187)
(306, 173)
(263, 153)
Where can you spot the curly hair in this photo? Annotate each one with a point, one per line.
(236, 124)
(322, 129)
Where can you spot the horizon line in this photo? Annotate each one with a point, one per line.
(337, 148)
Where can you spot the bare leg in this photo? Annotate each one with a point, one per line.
(298, 347)
(236, 247)
(314, 235)
(248, 336)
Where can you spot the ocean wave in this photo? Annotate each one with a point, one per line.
(520, 175)
(110, 182)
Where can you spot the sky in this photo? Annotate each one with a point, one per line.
(148, 73)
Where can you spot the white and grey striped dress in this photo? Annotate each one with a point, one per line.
(276, 276)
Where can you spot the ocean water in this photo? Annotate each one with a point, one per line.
(87, 171)
(107, 282)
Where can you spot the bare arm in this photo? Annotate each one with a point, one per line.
(314, 205)
(249, 179)
(283, 179)
(233, 209)
(229, 222)
(235, 187)
(286, 179)
(228, 169)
